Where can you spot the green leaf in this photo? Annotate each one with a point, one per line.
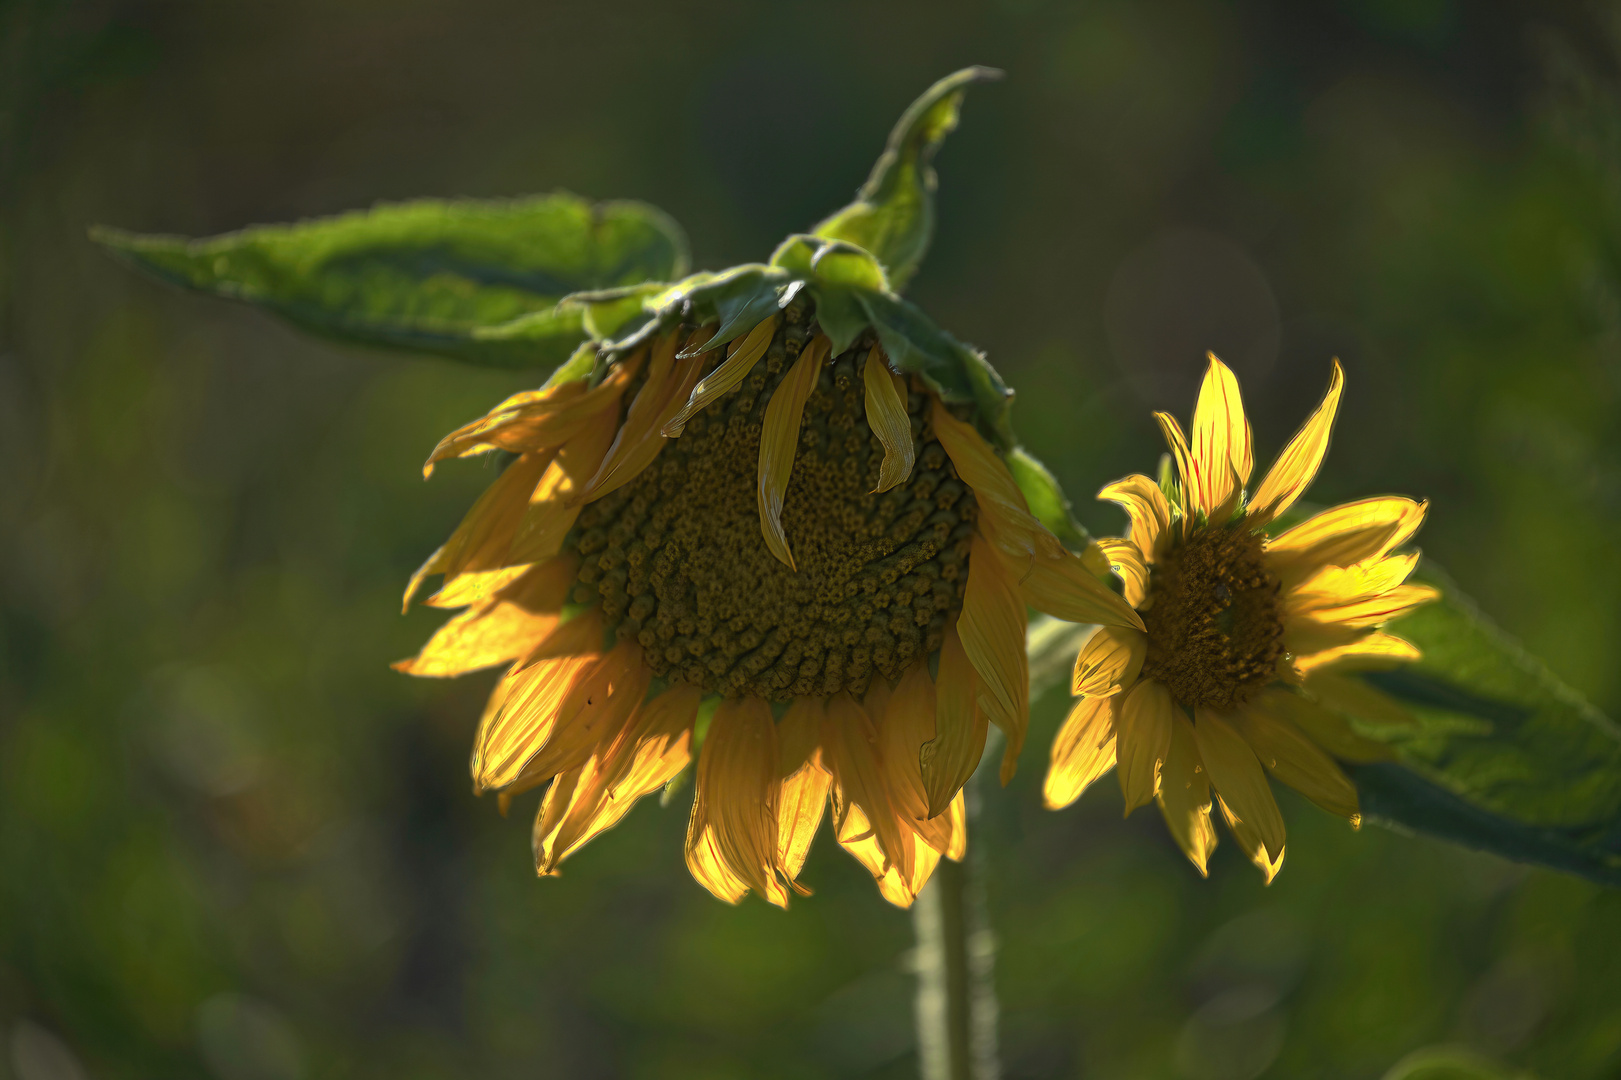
(836, 273)
(893, 214)
(478, 281)
(1047, 500)
(950, 368)
(1505, 756)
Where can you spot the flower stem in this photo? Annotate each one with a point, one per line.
(956, 996)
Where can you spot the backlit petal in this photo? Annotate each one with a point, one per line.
(799, 815)
(1288, 754)
(1237, 777)
(549, 515)
(640, 439)
(1343, 536)
(991, 627)
(1297, 466)
(1371, 652)
(1126, 560)
(1186, 467)
(1145, 504)
(1184, 796)
(1109, 661)
(1083, 751)
(886, 415)
(1250, 843)
(960, 727)
(779, 441)
(737, 783)
(744, 353)
(851, 752)
(1143, 741)
(1221, 436)
(521, 717)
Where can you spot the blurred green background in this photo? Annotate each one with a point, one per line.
(233, 844)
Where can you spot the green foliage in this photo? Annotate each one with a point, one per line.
(893, 215)
(1047, 500)
(1505, 756)
(478, 281)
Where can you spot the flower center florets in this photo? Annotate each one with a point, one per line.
(677, 560)
(1214, 619)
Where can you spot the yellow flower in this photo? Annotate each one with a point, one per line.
(808, 558)
(1240, 666)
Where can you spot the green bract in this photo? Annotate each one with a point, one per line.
(1503, 757)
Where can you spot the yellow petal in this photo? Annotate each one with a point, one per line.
(960, 727)
(991, 627)
(521, 717)
(492, 633)
(851, 753)
(957, 816)
(1126, 560)
(658, 737)
(1376, 651)
(1376, 610)
(1062, 586)
(592, 714)
(1221, 436)
(704, 859)
(741, 360)
(1296, 467)
(1186, 467)
(1109, 662)
(541, 418)
(1146, 506)
(1249, 841)
(779, 440)
(550, 515)
(1288, 754)
(799, 815)
(1238, 779)
(638, 442)
(1082, 751)
(1327, 729)
(1143, 741)
(484, 536)
(886, 415)
(1342, 536)
(1184, 796)
(738, 786)
(905, 723)
(1333, 586)
(579, 636)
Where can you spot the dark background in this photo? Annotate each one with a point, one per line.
(233, 844)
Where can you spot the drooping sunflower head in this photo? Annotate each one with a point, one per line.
(773, 519)
(1248, 631)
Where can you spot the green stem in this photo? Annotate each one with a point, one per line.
(956, 996)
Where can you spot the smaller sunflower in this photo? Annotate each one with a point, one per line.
(1248, 637)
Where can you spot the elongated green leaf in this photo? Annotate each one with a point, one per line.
(477, 281)
(893, 214)
(1047, 500)
(1505, 756)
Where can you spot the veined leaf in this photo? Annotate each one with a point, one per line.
(1505, 756)
(893, 214)
(477, 281)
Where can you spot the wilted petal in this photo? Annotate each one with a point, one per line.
(744, 354)
(779, 441)
(886, 415)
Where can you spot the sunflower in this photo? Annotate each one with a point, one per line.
(768, 524)
(1240, 667)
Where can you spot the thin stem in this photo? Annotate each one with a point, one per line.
(956, 995)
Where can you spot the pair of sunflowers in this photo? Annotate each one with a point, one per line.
(800, 570)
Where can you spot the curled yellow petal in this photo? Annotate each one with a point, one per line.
(1236, 774)
(992, 626)
(1145, 504)
(851, 751)
(1343, 536)
(1109, 661)
(1186, 467)
(1184, 796)
(1127, 562)
(1333, 586)
(1297, 466)
(639, 440)
(1221, 436)
(799, 815)
(1371, 652)
(886, 415)
(739, 362)
(522, 715)
(1143, 741)
(779, 440)
(1083, 751)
